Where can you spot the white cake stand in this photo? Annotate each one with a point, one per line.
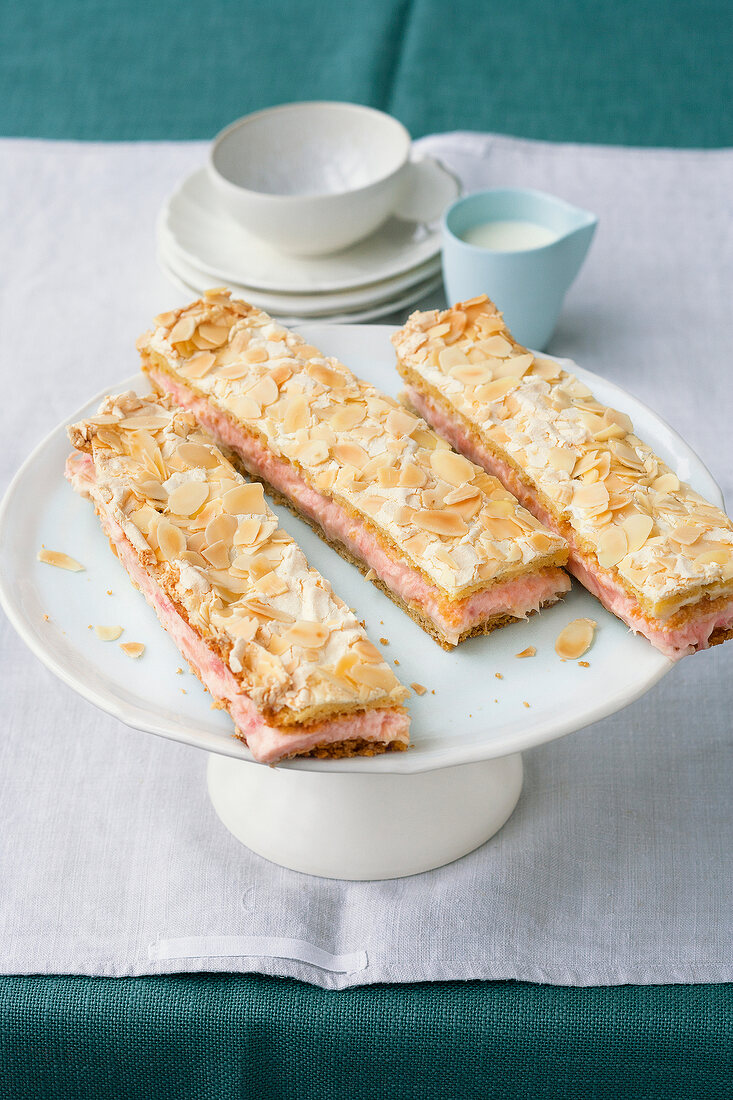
(367, 818)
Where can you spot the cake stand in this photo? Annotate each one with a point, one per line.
(474, 710)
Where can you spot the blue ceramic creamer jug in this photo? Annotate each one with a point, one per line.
(527, 280)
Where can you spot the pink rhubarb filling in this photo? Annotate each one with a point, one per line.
(673, 642)
(517, 597)
(268, 743)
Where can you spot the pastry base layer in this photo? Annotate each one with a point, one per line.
(447, 622)
(364, 733)
(699, 626)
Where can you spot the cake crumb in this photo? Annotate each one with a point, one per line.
(418, 689)
(179, 672)
(183, 691)
(45, 618)
(525, 704)
(584, 664)
(498, 676)
(396, 661)
(109, 592)
(362, 624)
(384, 641)
(530, 651)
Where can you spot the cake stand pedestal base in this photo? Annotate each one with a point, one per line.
(363, 825)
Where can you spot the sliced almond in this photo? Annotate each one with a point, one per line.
(498, 389)
(373, 676)
(666, 483)
(387, 477)
(272, 585)
(590, 496)
(686, 535)
(472, 374)
(132, 649)
(195, 454)
(221, 528)
(248, 499)
(440, 523)
(561, 459)
(183, 330)
(311, 453)
(612, 546)
(453, 468)
(307, 351)
(496, 345)
(575, 639)
(310, 635)
(171, 539)
(347, 417)
(216, 335)
(530, 651)
(296, 415)
(419, 689)
(351, 454)
(188, 497)
(257, 354)
(452, 357)
(247, 531)
(412, 476)
(264, 392)
(61, 561)
(638, 527)
(245, 408)
(326, 376)
(108, 633)
(541, 542)
(718, 556)
(401, 423)
(198, 366)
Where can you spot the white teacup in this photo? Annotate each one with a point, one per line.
(312, 178)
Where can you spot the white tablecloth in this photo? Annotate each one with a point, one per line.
(616, 865)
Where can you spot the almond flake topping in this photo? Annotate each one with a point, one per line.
(621, 500)
(358, 446)
(575, 639)
(215, 549)
(108, 633)
(62, 561)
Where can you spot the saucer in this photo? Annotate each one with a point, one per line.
(305, 305)
(209, 239)
(374, 311)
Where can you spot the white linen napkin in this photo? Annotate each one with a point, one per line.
(616, 865)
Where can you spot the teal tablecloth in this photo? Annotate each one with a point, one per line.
(643, 73)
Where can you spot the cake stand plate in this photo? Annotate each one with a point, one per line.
(474, 709)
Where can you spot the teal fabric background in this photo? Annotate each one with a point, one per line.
(245, 1036)
(633, 72)
(639, 72)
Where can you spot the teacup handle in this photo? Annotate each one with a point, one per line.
(428, 189)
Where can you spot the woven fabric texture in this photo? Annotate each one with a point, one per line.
(245, 1036)
(656, 73)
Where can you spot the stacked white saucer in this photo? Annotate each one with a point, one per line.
(200, 245)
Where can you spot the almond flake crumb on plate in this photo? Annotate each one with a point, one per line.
(530, 651)
(575, 639)
(418, 689)
(108, 633)
(132, 649)
(61, 561)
